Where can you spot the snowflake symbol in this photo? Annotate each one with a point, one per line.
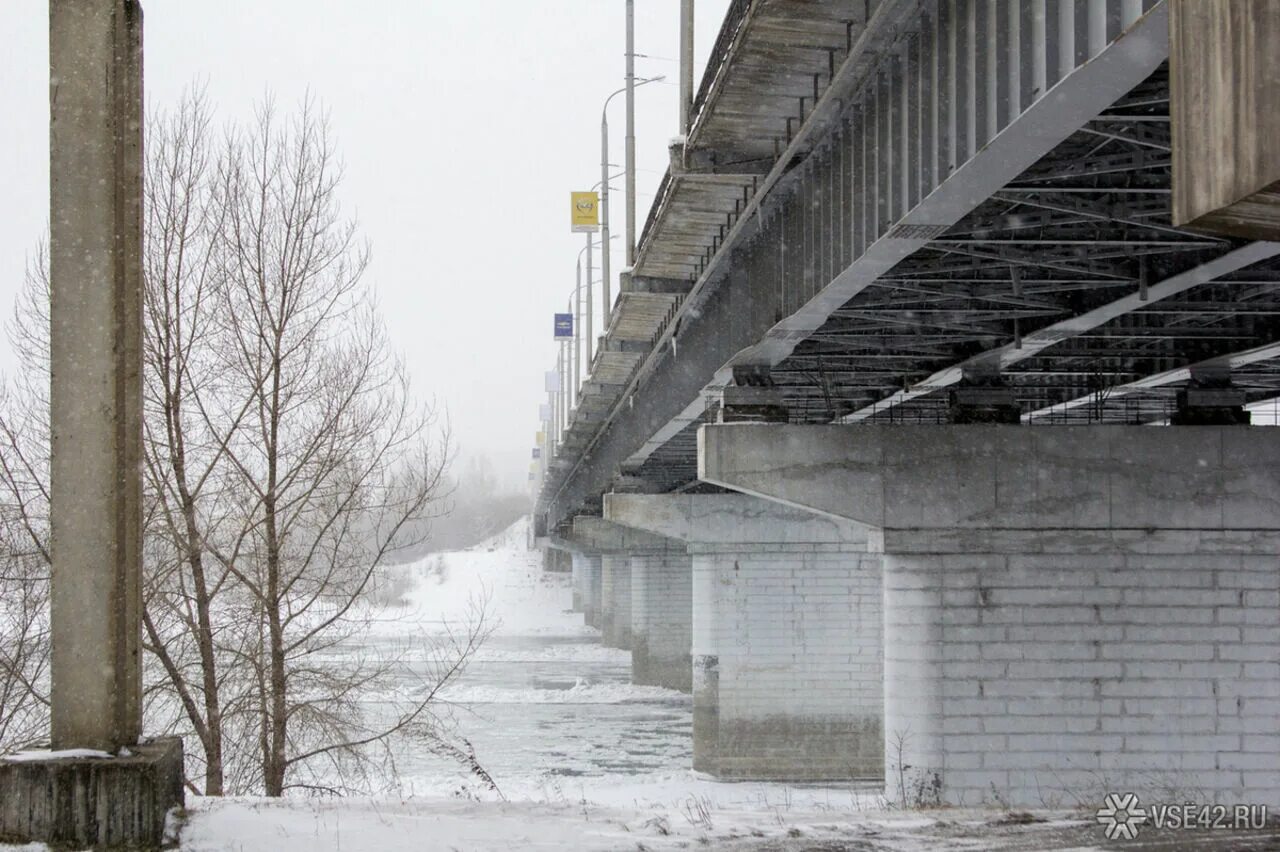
(1121, 814)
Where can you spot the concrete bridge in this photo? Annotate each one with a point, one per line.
(857, 460)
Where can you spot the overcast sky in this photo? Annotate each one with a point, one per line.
(463, 124)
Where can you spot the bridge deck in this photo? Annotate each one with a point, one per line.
(936, 212)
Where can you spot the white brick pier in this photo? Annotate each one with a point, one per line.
(611, 591)
(1068, 610)
(615, 595)
(786, 641)
(662, 620)
(1049, 677)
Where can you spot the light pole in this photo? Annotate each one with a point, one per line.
(631, 133)
(587, 309)
(686, 65)
(604, 191)
(576, 308)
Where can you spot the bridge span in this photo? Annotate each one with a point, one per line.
(858, 458)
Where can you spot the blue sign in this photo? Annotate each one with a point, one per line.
(537, 452)
(564, 326)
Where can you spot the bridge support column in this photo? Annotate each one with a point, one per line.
(592, 603)
(118, 798)
(1069, 611)
(786, 653)
(662, 619)
(581, 578)
(609, 584)
(615, 620)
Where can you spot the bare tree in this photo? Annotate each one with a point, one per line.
(285, 460)
(186, 488)
(332, 456)
(24, 518)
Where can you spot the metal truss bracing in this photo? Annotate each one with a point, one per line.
(986, 182)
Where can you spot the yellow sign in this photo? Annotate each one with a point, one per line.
(542, 438)
(586, 212)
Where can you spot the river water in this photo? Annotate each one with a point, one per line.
(548, 710)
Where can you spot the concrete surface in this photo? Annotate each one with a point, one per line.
(105, 803)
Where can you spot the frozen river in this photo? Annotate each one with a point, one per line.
(584, 759)
(549, 711)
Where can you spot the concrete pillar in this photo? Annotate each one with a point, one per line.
(576, 580)
(592, 602)
(96, 348)
(119, 799)
(662, 620)
(1069, 610)
(615, 618)
(612, 593)
(786, 650)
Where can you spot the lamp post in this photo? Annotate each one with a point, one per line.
(587, 308)
(604, 190)
(631, 133)
(686, 65)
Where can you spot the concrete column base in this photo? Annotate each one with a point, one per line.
(103, 803)
(662, 620)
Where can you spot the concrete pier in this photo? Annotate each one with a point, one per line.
(96, 392)
(592, 587)
(615, 594)
(616, 546)
(786, 652)
(662, 620)
(1069, 610)
(96, 161)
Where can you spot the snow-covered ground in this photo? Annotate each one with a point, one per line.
(584, 759)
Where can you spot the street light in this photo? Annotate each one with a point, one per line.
(576, 308)
(604, 190)
(604, 237)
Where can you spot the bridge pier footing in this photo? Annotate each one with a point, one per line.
(1069, 610)
(786, 653)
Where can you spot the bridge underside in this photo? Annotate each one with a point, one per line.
(964, 188)
(1085, 232)
(966, 220)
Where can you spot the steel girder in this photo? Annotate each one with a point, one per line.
(916, 133)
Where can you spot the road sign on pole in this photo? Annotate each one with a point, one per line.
(564, 327)
(585, 216)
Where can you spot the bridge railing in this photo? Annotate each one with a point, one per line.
(734, 18)
(660, 198)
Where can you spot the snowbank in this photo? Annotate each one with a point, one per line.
(503, 575)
